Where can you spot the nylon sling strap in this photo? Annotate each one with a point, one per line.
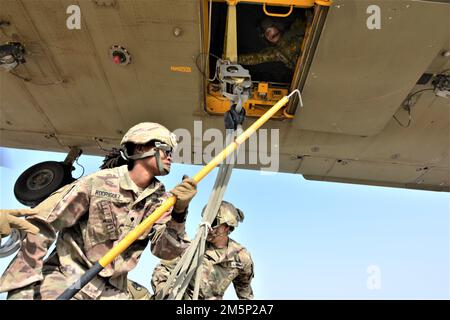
(190, 263)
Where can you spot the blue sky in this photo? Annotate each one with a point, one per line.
(308, 240)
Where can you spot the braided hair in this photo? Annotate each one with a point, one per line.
(113, 159)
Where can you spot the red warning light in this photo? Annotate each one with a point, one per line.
(116, 59)
(119, 55)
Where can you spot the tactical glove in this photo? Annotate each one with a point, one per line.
(11, 219)
(184, 192)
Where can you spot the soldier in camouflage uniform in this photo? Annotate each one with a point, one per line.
(225, 261)
(93, 214)
(283, 46)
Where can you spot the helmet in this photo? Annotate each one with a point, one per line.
(229, 214)
(146, 131)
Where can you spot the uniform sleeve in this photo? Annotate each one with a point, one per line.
(168, 237)
(242, 283)
(71, 203)
(161, 274)
(267, 55)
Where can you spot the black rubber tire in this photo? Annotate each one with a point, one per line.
(39, 181)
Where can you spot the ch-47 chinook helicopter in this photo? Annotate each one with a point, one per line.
(374, 77)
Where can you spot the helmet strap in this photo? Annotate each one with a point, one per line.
(138, 156)
(162, 170)
(155, 152)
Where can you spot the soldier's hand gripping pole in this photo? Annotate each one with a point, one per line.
(169, 202)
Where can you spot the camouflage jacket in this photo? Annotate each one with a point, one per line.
(220, 268)
(287, 50)
(91, 216)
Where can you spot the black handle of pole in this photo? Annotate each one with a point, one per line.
(79, 284)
